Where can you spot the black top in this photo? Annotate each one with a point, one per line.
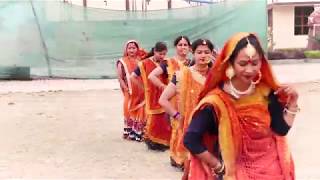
(137, 71)
(204, 121)
(164, 67)
(174, 79)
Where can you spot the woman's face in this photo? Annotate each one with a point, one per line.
(182, 48)
(160, 55)
(132, 49)
(247, 67)
(202, 55)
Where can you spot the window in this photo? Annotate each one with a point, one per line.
(301, 14)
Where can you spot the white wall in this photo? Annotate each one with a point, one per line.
(283, 29)
(120, 4)
(288, 1)
(63, 12)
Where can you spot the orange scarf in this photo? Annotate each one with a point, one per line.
(230, 138)
(152, 92)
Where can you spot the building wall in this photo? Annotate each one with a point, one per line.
(283, 29)
(120, 4)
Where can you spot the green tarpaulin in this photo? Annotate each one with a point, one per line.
(58, 39)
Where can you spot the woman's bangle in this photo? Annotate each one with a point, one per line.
(292, 112)
(220, 170)
(176, 115)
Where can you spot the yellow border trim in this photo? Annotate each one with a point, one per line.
(147, 92)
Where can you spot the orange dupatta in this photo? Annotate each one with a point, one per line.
(229, 127)
(158, 128)
(134, 99)
(190, 84)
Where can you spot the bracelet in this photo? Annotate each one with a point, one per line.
(286, 110)
(176, 114)
(220, 170)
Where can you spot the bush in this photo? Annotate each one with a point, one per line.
(317, 38)
(286, 54)
(272, 55)
(312, 54)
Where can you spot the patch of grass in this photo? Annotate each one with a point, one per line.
(312, 54)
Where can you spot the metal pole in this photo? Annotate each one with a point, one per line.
(132, 5)
(45, 49)
(127, 5)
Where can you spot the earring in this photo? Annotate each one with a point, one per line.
(230, 72)
(258, 80)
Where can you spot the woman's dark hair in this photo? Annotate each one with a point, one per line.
(204, 42)
(179, 38)
(243, 43)
(159, 46)
(135, 43)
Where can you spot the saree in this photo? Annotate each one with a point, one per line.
(157, 129)
(248, 147)
(133, 105)
(189, 86)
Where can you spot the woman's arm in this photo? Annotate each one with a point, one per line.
(120, 77)
(153, 77)
(165, 97)
(281, 120)
(206, 157)
(202, 122)
(291, 108)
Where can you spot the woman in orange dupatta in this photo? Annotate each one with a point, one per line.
(238, 129)
(158, 130)
(181, 95)
(133, 106)
(168, 68)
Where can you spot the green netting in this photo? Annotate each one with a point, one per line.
(57, 39)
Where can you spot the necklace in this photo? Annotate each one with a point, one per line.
(154, 60)
(182, 61)
(202, 71)
(236, 93)
(200, 78)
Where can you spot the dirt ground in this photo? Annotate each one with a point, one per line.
(77, 135)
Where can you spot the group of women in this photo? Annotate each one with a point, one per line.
(222, 115)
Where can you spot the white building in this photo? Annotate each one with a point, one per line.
(136, 4)
(288, 22)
